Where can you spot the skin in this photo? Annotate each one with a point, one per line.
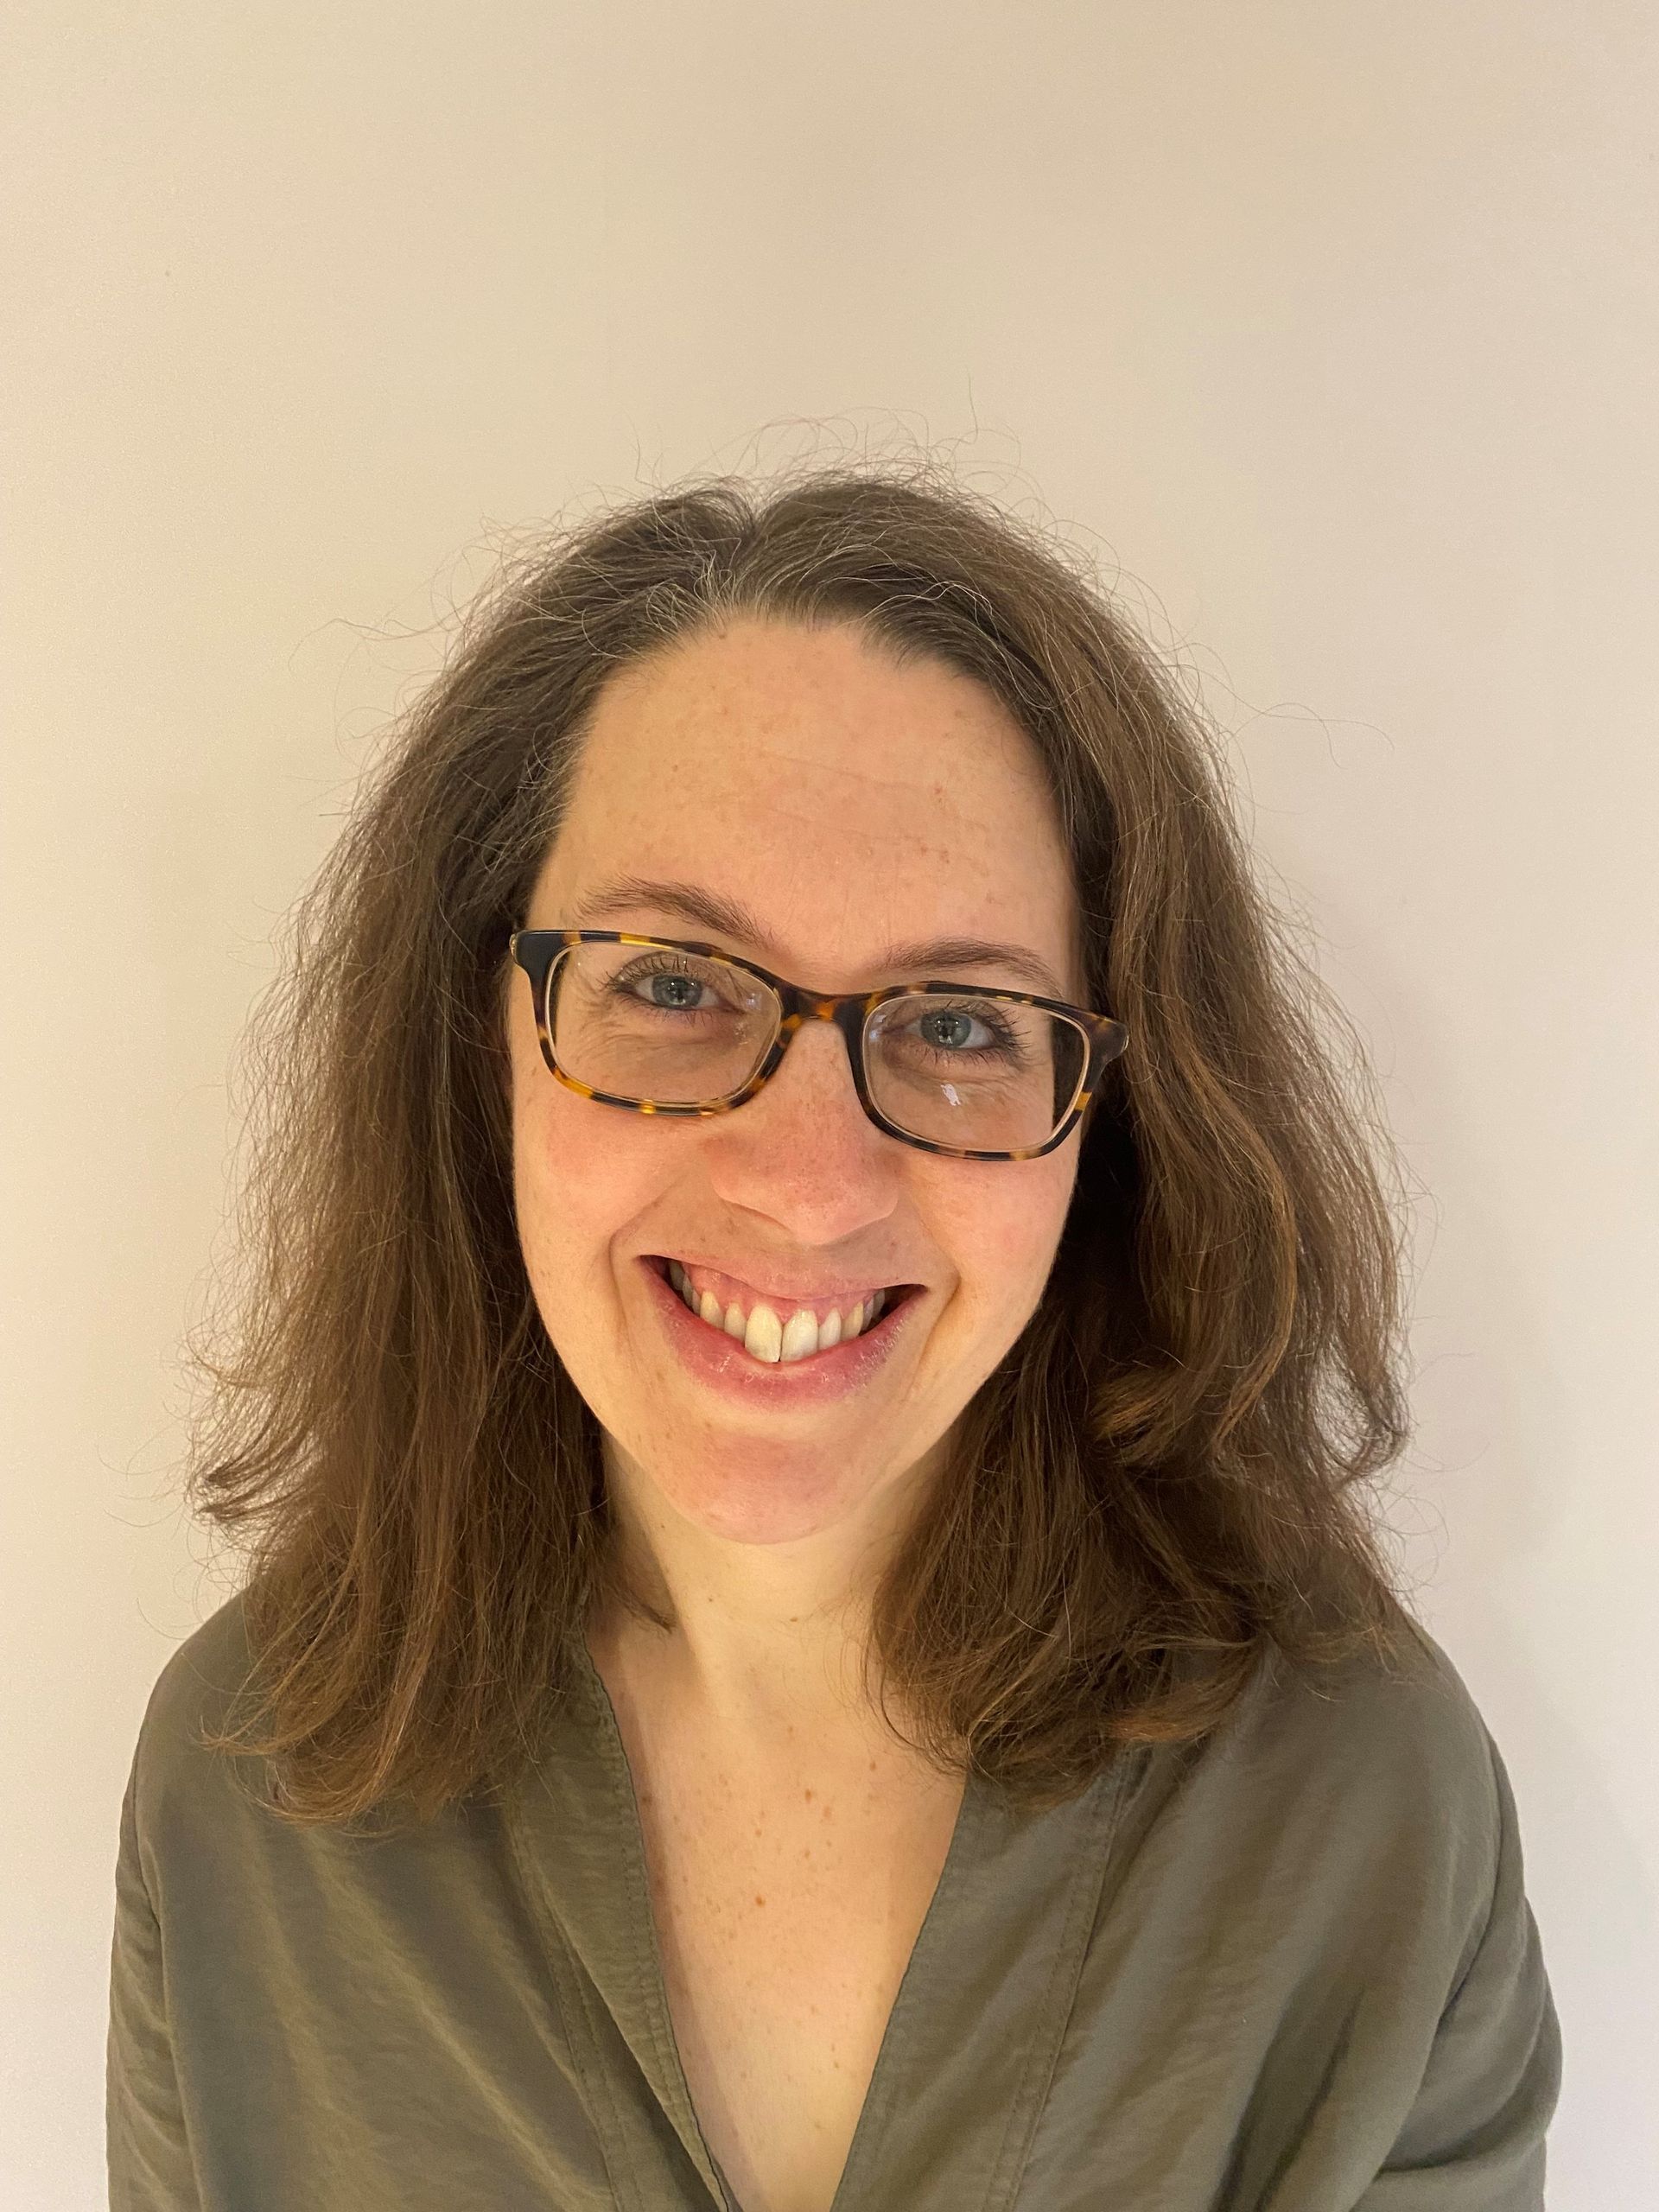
(846, 800)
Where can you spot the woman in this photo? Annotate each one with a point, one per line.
(810, 1637)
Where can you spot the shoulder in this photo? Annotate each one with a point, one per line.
(1392, 1746)
(176, 1782)
(199, 1681)
(1381, 1729)
(1367, 1788)
(1357, 1804)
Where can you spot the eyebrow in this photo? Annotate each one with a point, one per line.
(710, 909)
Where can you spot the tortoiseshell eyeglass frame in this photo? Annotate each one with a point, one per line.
(538, 951)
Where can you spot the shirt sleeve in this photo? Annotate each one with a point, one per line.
(1473, 2140)
(150, 2168)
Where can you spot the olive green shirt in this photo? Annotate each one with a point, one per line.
(1292, 1970)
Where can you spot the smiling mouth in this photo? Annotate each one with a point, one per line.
(778, 1331)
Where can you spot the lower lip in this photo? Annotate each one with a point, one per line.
(722, 1362)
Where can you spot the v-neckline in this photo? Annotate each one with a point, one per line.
(943, 2122)
(654, 1979)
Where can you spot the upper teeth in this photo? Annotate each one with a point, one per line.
(763, 1334)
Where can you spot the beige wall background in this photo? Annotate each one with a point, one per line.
(1329, 324)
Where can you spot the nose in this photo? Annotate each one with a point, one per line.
(804, 1141)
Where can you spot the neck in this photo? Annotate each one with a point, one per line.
(759, 1672)
(766, 1644)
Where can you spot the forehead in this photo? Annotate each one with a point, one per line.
(839, 795)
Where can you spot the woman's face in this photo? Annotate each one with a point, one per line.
(849, 805)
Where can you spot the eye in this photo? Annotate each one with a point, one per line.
(950, 1028)
(686, 978)
(944, 1029)
(683, 988)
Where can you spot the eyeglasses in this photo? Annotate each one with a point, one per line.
(660, 1026)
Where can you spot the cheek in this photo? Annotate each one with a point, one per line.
(577, 1184)
(1004, 1233)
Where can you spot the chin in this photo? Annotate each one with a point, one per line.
(753, 1489)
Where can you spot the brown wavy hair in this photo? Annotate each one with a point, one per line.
(1156, 1486)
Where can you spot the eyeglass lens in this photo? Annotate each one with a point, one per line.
(985, 1074)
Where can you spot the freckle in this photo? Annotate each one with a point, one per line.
(759, 1900)
(809, 1796)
